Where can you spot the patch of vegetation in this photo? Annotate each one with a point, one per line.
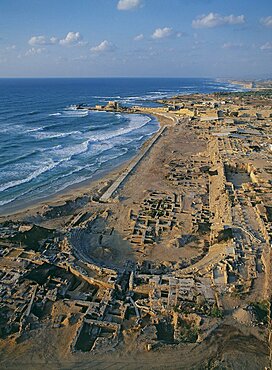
(190, 307)
(216, 312)
(260, 310)
(188, 332)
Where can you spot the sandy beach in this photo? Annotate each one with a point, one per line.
(99, 183)
(143, 263)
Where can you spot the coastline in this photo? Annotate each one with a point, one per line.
(101, 175)
(102, 178)
(159, 241)
(20, 205)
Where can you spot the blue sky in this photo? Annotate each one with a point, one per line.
(168, 38)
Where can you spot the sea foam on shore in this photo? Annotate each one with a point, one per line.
(48, 145)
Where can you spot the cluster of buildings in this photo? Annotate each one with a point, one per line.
(219, 204)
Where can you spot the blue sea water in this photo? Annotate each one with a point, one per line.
(45, 146)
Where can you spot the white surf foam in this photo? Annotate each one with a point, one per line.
(53, 135)
(107, 158)
(34, 129)
(71, 112)
(60, 155)
(107, 97)
(135, 123)
(55, 114)
(75, 113)
(30, 177)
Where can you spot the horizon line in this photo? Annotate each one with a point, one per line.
(134, 77)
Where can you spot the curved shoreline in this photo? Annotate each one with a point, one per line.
(83, 187)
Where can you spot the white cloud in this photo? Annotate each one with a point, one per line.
(267, 21)
(233, 19)
(103, 47)
(42, 40)
(128, 4)
(232, 45)
(34, 51)
(37, 40)
(214, 20)
(71, 38)
(266, 46)
(161, 33)
(139, 37)
(54, 40)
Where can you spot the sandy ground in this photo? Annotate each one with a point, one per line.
(231, 345)
(227, 348)
(75, 191)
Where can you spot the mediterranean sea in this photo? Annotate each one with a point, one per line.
(46, 146)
